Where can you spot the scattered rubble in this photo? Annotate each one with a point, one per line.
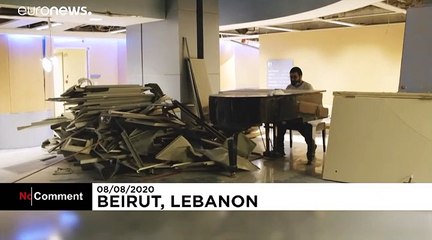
(110, 127)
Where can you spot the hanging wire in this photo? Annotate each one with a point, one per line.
(50, 36)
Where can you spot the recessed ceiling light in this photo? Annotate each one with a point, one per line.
(95, 19)
(46, 26)
(118, 31)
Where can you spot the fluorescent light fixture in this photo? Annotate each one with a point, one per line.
(240, 37)
(47, 26)
(47, 64)
(95, 19)
(337, 22)
(230, 34)
(118, 31)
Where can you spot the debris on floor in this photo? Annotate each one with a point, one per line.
(113, 127)
(63, 171)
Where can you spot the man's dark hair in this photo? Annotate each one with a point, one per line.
(296, 70)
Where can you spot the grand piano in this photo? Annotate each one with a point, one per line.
(237, 110)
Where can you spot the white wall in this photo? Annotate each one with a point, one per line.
(344, 59)
(22, 80)
(227, 66)
(155, 51)
(20, 68)
(239, 66)
(22, 91)
(103, 56)
(121, 62)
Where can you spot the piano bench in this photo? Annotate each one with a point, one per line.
(317, 125)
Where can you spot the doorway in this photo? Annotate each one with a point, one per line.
(70, 65)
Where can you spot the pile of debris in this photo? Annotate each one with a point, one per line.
(109, 127)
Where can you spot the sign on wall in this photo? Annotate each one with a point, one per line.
(278, 73)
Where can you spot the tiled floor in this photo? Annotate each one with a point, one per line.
(25, 165)
(20, 163)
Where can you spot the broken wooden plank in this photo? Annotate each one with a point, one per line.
(150, 166)
(132, 150)
(77, 145)
(179, 150)
(221, 155)
(48, 121)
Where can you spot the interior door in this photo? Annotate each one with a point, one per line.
(71, 65)
(74, 66)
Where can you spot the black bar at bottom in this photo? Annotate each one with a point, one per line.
(46, 196)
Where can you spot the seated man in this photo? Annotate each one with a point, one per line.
(304, 128)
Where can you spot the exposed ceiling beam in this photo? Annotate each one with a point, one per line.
(337, 22)
(62, 34)
(280, 29)
(365, 16)
(47, 26)
(231, 34)
(18, 23)
(337, 7)
(238, 36)
(389, 7)
(94, 19)
(64, 27)
(39, 19)
(118, 31)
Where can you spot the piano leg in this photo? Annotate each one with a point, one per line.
(267, 139)
(232, 153)
(269, 152)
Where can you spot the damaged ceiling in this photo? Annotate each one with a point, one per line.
(95, 24)
(108, 24)
(385, 12)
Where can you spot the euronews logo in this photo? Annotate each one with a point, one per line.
(53, 11)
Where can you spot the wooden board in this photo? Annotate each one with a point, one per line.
(202, 81)
(379, 138)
